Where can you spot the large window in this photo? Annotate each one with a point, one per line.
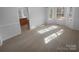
(56, 13)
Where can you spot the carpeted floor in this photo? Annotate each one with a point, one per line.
(50, 38)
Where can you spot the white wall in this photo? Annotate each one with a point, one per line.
(9, 22)
(76, 19)
(73, 22)
(37, 16)
(69, 20)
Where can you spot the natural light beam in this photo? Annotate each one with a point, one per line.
(49, 38)
(53, 36)
(47, 29)
(59, 32)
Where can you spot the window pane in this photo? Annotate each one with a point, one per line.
(60, 12)
(70, 12)
(51, 13)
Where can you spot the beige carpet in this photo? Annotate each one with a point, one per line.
(50, 38)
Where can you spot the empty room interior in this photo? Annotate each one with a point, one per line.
(39, 29)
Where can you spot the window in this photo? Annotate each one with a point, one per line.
(51, 13)
(56, 13)
(60, 12)
(70, 12)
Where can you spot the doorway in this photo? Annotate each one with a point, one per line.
(24, 18)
